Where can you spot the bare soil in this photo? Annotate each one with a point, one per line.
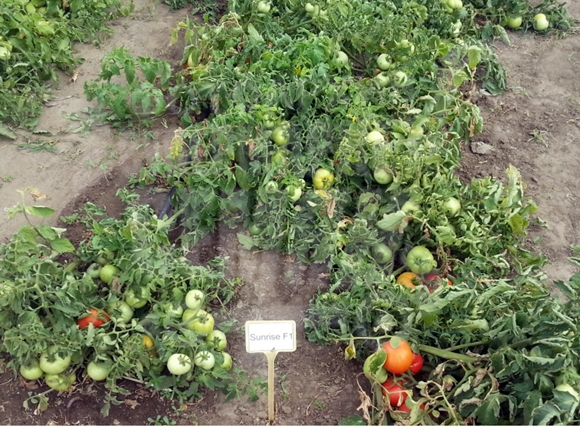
(534, 127)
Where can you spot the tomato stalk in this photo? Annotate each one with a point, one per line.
(446, 354)
(43, 303)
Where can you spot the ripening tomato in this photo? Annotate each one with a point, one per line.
(416, 364)
(96, 318)
(407, 279)
(399, 355)
(432, 279)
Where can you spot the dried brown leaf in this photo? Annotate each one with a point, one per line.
(131, 403)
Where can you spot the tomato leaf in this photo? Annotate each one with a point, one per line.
(350, 351)
(39, 211)
(62, 245)
(246, 241)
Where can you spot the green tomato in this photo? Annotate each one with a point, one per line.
(382, 80)
(93, 270)
(227, 363)
(98, 371)
(279, 157)
(255, 229)
(194, 299)
(323, 179)
(120, 312)
(173, 310)
(263, 7)
(52, 363)
(400, 79)
(217, 339)
(32, 371)
(383, 61)
(179, 364)
(204, 359)
(309, 8)
(382, 253)
(280, 135)
(383, 176)
(271, 187)
(453, 206)
(341, 59)
(374, 137)
(201, 321)
(420, 260)
(454, 4)
(540, 22)
(105, 257)
(107, 272)
(294, 193)
(410, 206)
(137, 299)
(514, 22)
(60, 382)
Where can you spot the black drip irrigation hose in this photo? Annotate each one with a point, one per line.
(166, 209)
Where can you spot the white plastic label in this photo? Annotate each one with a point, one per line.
(270, 335)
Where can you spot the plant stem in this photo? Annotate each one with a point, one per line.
(446, 354)
(470, 344)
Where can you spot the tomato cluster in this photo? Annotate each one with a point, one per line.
(397, 358)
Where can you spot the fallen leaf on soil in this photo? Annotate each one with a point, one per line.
(131, 403)
(37, 194)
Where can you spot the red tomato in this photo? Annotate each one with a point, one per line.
(416, 364)
(97, 318)
(394, 392)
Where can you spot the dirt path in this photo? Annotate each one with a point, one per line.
(84, 151)
(534, 126)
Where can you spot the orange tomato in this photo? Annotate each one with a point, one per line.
(407, 279)
(399, 356)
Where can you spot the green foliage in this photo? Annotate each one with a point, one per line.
(41, 300)
(36, 38)
(140, 99)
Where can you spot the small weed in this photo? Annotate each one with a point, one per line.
(285, 393)
(70, 219)
(538, 136)
(318, 404)
(161, 421)
(7, 178)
